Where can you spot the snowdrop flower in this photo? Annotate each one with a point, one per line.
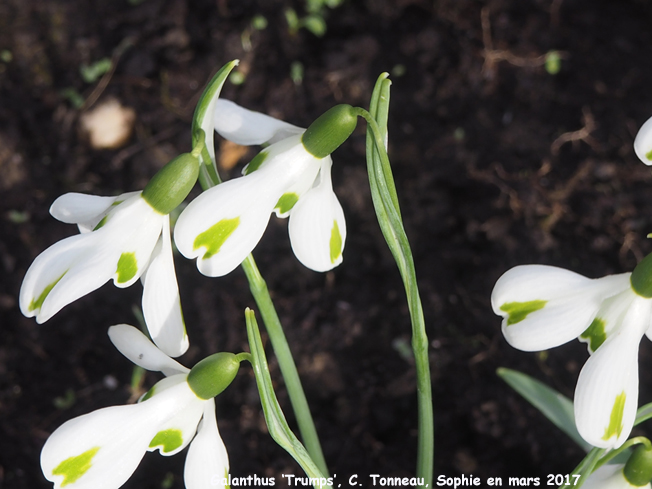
(122, 238)
(290, 177)
(643, 143)
(101, 450)
(544, 307)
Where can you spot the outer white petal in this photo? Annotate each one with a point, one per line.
(134, 227)
(317, 227)
(134, 345)
(102, 449)
(63, 273)
(246, 127)
(608, 320)
(161, 301)
(544, 307)
(610, 477)
(75, 208)
(85, 210)
(229, 219)
(606, 396)
(80, 264)
(207, 463)
(176, 433)
(643, 143)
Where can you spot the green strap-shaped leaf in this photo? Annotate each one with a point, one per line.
(385, 200)
(202, 122)
(553, 405)
(643, 414)
(274, 417)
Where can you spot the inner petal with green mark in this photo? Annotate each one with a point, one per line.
(38, 302)
(648, 155)
(286, 202)
(74, 467)
(127, 267)
(616, 419)
(518, 311)
(335, 242)
(215, 236)
(169, 440)
(595, 334)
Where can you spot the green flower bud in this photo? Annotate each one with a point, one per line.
(213, 374)
(329, 130)
(638, 469)
(172, 184)
(642, 277)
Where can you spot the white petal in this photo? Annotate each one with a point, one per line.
(75, 208)
(317, 227)
(85, 210)
(544, 306)
(135, 227)
(643, 143)
(246, 127)
(224, 224)
(63, 273)
(176, 433)
(608, 320)
(207, 463)
(161, 301)
(134, 345)
(102, 449)
(606, 397)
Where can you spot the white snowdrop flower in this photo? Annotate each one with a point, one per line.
(122, 238)
(544, 307)
(290, 177)
(101, 450)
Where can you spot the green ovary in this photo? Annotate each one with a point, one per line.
(215, 236)
(170, 440)
(74, 467)
(38, 302)
(286, 202)
(595, 334)
(127, 267)
(335, 242)
(518, 311)
(616, 419)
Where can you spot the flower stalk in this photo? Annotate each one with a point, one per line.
(261, 295)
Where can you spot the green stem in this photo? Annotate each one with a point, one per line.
(279, 342)
(629, 443)
(387, 208)
(286, 363)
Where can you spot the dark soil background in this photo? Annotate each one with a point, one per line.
(497, 161)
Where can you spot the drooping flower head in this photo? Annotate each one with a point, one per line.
(544, 307)
(101, 450)
(634, 474)
(123, 238)
(290, 177)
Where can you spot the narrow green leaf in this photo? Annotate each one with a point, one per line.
(553, 405)
(643, 414)
(385, 200)
(274, 417)
(202, 120)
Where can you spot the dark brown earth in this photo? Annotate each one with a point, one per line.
(497, 163)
